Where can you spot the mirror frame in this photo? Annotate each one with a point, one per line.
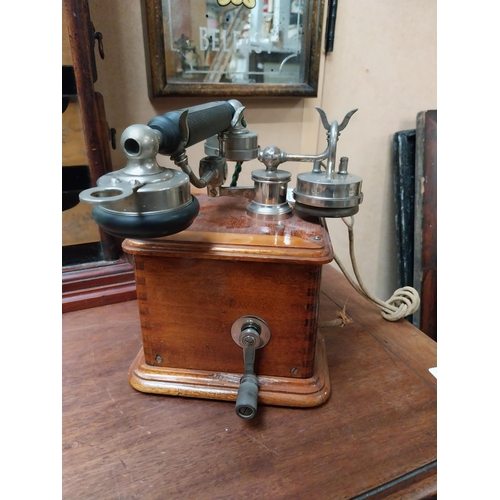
(160, 87)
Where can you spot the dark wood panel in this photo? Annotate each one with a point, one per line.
(82, 49)
(85, 144)
(97, 285)
(374, 438)
(426, 220)
(415, 187)
(67, 60)
(404, 197)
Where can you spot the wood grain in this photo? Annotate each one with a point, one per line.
(283, 295)
(374, 438)
(427, 135)
(223, 231)
(97, 285)
(249, 267)
(67, 60)
(273, 390)
(93, 122)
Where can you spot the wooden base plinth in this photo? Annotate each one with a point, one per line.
(279, 391)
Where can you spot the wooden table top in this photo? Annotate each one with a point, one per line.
(374, 438)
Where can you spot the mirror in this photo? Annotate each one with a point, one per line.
(234, 47)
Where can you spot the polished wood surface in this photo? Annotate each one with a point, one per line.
(191, 334)
(249, 267)
(97, 285)
(223, 231)
(374, 438)
(281, 391)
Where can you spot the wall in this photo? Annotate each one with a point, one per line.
(384, 63)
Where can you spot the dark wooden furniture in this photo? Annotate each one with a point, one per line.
(425, 267)
(415, 188)
(375, 438)
(94, 271)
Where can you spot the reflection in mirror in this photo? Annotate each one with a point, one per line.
(234, 47)
(259, 41)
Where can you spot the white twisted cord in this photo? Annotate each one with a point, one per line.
(404, 301)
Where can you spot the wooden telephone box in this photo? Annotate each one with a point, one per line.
(194, 287)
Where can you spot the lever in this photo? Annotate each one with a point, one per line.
(253, 334)
(246, 401)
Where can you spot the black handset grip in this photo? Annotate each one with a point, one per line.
(204, 121)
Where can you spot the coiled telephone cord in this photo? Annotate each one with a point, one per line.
(404, 301)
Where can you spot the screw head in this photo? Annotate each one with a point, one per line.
(248, 340)
(245, 411)
(158, 358)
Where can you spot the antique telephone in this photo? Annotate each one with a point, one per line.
(236, 271)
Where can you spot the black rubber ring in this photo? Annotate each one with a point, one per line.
(310, 211)
(146, 226)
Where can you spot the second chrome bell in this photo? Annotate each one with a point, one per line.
(323, 195)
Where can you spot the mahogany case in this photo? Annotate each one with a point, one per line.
(192, 287)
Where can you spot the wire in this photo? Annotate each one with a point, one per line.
(236, 174)
(404, 301)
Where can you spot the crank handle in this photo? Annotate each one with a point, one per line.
(246, 401)
(250, 333)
